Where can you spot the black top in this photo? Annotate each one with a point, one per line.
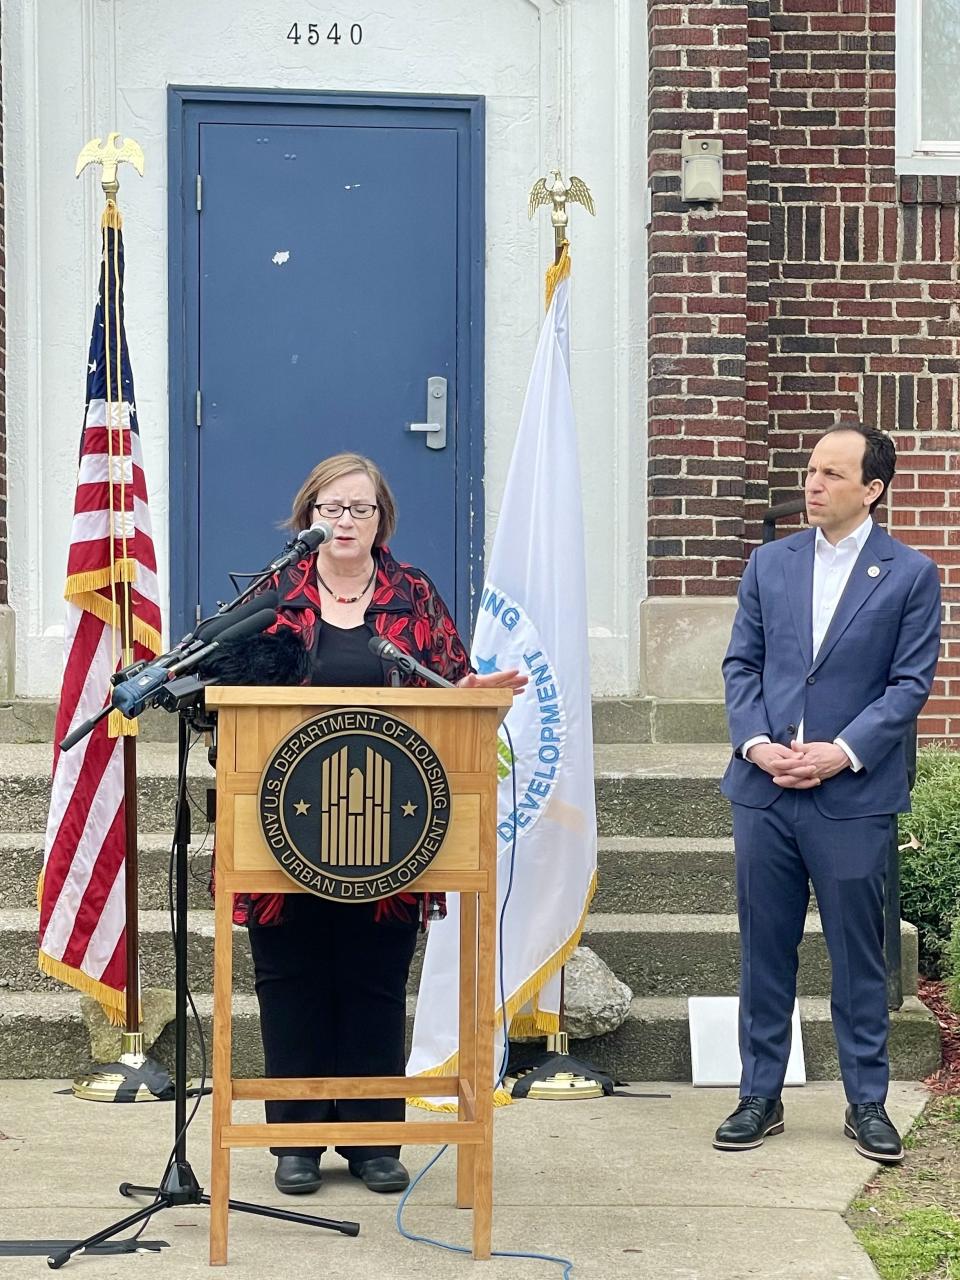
(340, 656)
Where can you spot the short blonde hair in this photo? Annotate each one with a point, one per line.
(332, 469)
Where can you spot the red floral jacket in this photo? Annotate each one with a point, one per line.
(407, 609)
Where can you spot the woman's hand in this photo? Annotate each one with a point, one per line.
(495, 680)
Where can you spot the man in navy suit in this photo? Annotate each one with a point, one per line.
(831, 659)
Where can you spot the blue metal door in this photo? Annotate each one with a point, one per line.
(335, 252)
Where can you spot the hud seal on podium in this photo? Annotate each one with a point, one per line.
(353, 804)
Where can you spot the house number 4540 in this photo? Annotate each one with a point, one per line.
(311, 32)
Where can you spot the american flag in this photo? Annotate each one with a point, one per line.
(111, 573)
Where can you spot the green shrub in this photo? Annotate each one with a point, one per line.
(953, 967)
(930, 865)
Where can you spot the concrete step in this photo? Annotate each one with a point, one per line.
(686, 955)
(42, 1036)
(656, 955)
(21, 857)
(26, 770)
(654, 1042)
(642, 790)
(633, 875)
(614, 720)
(656, 790)
(693, 875)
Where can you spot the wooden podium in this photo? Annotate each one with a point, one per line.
(461, 726)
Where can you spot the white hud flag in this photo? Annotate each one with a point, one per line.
(533, 615)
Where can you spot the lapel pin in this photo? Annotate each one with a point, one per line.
(873, 571)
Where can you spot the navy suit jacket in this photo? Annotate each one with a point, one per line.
(867, 684)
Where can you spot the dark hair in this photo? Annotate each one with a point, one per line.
(879, 455)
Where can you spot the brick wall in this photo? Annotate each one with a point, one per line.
(864, 285)
(851, 304)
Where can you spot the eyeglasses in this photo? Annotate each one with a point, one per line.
(334, 510)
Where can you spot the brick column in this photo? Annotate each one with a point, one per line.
(756, 493)
(697, 283)
(697, 292)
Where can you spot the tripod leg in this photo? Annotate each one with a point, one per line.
(131, 1189)
(56, 1261)
(345, 1227)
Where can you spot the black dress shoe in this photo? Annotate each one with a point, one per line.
(297, 1175)
(871, 1127)
(383, 1173)
(753, 1120)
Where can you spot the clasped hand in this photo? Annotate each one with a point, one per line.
(801, 765)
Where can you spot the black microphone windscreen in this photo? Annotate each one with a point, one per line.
(222, 622)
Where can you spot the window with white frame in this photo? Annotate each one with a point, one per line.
(928, 86)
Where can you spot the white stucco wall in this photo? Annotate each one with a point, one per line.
(565, 84)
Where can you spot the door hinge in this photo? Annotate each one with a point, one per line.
(199, 193)
(198, 611)
(199, 407)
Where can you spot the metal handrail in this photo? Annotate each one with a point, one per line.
(795, 507)
(891, 895)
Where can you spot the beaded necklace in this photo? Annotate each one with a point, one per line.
(348, 599)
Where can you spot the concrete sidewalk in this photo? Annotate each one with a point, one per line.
(626, 1187)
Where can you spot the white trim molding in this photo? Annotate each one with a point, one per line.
(914, 153)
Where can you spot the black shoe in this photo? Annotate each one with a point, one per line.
(383, 1173)
(297, 1175)
(876, 1138)
(753, 1120)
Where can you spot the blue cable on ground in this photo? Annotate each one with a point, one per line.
(566, 1263)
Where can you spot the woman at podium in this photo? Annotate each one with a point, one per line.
(331, 977)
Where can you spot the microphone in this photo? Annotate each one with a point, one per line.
(204, 631)
(133, 695)
(220, 622)
(389, 652)
(302, 545)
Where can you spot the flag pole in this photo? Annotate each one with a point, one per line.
(121, 1080)
(556, 1074)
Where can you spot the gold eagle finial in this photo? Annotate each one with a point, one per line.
(110, 155)
(560, 194)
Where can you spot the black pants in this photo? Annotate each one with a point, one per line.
(332, 987)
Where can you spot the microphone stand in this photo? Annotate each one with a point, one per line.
(179, 1185)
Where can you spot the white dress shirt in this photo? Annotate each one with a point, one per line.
(832, 566)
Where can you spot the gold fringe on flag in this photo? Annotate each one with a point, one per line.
(557, 272)
(523, 995)
(112, 219)
(113, 1003)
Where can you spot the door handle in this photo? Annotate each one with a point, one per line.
(435, 428)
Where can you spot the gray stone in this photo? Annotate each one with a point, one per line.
(158, 1007)
(8, 651)
(682, 643)
(688, 720)
(595, 1000)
